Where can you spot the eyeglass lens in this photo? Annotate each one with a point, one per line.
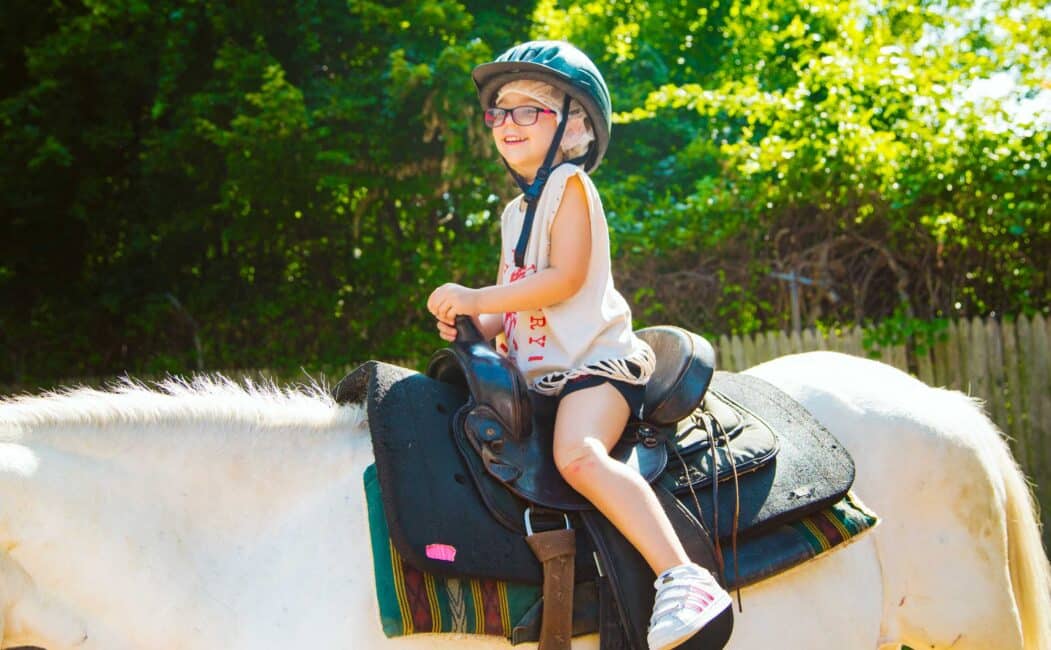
(520, 115)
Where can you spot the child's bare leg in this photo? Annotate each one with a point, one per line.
(588, 424)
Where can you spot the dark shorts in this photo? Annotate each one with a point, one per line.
(634, 394)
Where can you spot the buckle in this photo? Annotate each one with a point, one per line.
(529, 523)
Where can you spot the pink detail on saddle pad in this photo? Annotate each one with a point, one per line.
(442, 552)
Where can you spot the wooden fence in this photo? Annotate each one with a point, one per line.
(1004, 363)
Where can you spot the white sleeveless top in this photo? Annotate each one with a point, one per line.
(587, 334)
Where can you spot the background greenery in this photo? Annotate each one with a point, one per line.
(201, 184)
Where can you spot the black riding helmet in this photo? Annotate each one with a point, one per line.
(571, 71)
(563, 66)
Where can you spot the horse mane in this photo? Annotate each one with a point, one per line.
(206, 398)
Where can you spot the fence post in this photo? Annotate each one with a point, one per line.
(994, 359)
(940, 356)
(724, 354)
(925, 366)
(740, 361)
(811, 341)
(1040, 394)
(749, 356)
(1013, 424)
(953, 362)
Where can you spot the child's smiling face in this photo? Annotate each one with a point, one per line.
(524, 147)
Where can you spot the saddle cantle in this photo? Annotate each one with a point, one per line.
(684, 369)
(457, 464)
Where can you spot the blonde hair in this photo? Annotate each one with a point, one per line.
(578, 134)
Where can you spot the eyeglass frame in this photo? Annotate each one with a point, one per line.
(537, 111)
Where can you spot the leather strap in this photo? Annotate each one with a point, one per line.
(556, 550)
(611, 632)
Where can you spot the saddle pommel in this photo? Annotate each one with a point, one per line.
(685, 365)
(499, 406)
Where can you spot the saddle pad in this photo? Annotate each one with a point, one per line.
(413, 601)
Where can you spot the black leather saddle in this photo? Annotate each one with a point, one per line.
(701, 430)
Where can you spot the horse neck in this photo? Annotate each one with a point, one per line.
(225, 450)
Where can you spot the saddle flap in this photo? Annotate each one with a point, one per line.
(685, 365)
(428, 496)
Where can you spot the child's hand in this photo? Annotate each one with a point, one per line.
(450, 300)
(447, 331)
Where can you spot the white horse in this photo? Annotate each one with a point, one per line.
(212, 515)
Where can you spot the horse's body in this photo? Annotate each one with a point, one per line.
(218, 517)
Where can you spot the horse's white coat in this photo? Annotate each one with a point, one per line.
(214, 516)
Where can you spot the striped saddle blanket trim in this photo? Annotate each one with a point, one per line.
(414, 602)
(790, 545)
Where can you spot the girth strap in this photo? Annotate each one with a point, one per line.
(556, 550)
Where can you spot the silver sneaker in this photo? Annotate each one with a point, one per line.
(688, 597)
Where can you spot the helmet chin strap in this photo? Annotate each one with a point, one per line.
(533, 190)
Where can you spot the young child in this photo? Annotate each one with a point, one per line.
(566, 326)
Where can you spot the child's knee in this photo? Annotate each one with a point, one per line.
(580, 459)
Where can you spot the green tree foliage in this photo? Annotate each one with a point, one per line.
(199, 184)
(284, 184)
(861, 146)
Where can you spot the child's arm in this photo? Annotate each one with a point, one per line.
(569, 258)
